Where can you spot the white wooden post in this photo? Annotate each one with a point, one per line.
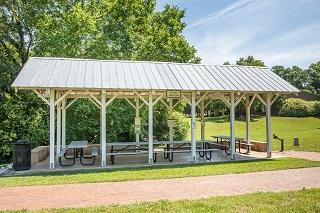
(63, 126)
(150, 128)
(232, 128)
(203, 124)
(137, 116)
(268, 125)
(170, 117)
(103, 129)
(52, 129)
(248, 106)
(193, 127)
(58, 147)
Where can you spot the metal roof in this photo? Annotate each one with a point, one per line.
(40, 72)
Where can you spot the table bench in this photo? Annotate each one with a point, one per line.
(93, 155)
(137, 152)
(77, 147)
(61, 154)
(225, 147)
(130, 148)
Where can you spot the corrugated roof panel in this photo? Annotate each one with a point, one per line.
(183, 80)
(214, 71)
(249, 79)
(255, 78)
(244, 79)
(157, 76)
(102, 74)
(270, 82)
(81, 65)
(128, 76)
(73, 73)
(40, 72)
(149, 75)
(175, 84)
(192, 74)
(105, 75)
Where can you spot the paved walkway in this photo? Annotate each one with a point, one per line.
(81, 195)
(298, 154)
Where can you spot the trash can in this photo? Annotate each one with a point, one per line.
(21, 155)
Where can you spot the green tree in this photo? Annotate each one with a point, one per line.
(296, 76)
(314, 73)
(108, 29)
(250, 61)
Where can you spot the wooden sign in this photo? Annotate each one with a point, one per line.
(173, 94)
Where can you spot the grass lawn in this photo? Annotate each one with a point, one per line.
(156, 172)
(307, 200)
(306, 129)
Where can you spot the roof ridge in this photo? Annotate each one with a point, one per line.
(137, 61)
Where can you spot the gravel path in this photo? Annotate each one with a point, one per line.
(82, 195)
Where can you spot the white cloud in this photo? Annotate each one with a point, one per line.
(216, 15)
(278, 32)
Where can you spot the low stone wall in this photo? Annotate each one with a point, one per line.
(258, 146)
(86, 151)
(39, 154)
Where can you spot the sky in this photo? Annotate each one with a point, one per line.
(279, 32)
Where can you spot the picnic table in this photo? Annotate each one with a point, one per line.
(129, 148)
(172, 147)
(77, 147)
(222, 139)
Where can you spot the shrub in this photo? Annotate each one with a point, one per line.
(297, 107)
(317, 108)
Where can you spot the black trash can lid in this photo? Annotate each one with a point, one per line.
(22, 142)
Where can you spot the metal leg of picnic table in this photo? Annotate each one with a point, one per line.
(73, 162)
(210, 154)
(88, 164)
(155, 157)
(65, 156)
(171, 155)
(201, 154)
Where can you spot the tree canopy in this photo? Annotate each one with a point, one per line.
(108, 29)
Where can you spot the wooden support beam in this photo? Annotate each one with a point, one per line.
(95, 103)
(186, 99)
(150, 128)
(134, 107)
(248, 106)
(207, 104)
(232, 126)
(63, 125)
(41, 96)
(58, 146)
(239, 99)
(261, 100)
(93, 97)
(164, 103)
(137, 107)
(176, 104)
(52, 129)
(268, 125)
(114, 97)
(193, 127)
(144, 100)
(71, 102)
(202, 97)
(274, 99)
(203, 124)
(103, 133)
(223, 99)
(62, 97)
(159, 98)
